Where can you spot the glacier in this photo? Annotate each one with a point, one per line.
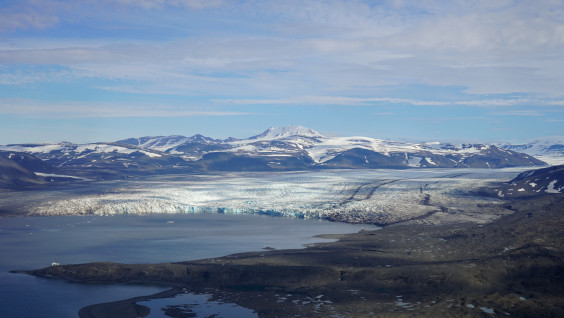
(355, 196)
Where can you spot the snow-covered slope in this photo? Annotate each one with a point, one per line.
(168, 143)
(328, 148)
(159, 143)
(287, 131)
(77, 149)
(189, 148)
(87, 155)
(549, 149)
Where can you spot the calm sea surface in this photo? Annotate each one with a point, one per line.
(36, 242)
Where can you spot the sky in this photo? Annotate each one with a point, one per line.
(421, 70)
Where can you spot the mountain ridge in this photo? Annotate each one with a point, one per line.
(276, 149)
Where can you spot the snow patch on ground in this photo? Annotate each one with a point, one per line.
(429, 160)
(414, 162)
(487, 310)
(551, 189)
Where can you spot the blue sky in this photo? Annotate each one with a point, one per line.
(103, 70)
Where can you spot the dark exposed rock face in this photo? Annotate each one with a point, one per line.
(225, 161)
(13, 174)
(29, 162)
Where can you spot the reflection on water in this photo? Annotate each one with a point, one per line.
(35, 242)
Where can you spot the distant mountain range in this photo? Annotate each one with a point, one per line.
(550, 149)
(276, 149)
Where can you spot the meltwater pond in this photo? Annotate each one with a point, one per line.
(35, 242)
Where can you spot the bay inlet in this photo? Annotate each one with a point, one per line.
(35, 242)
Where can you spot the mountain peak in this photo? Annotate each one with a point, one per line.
(287, 131)
(202, 139)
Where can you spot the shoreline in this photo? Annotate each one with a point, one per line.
(125, 308)
(512, 265)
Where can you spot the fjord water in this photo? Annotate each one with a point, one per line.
(36, 242)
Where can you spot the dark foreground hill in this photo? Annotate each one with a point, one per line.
(543, 181)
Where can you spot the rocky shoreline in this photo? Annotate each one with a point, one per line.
(511, 266)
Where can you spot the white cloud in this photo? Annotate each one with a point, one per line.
(365, 101)
(13, 18)
(159, 4)
(519, 113)
(198, 4)
(146, 4)
(34, 108)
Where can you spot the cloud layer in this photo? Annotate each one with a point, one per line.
(222, 55)
(488, 47)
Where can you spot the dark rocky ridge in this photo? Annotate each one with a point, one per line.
(490, 157)
(29, 162)
(544, 181)
(14, 175)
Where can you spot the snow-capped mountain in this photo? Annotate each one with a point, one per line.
(158, 143)
(287, 131)
(167, 143)
(366, 152)
(99, 160)
(191, 147)
(278, 148)
(60, 150)
(549, 149)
